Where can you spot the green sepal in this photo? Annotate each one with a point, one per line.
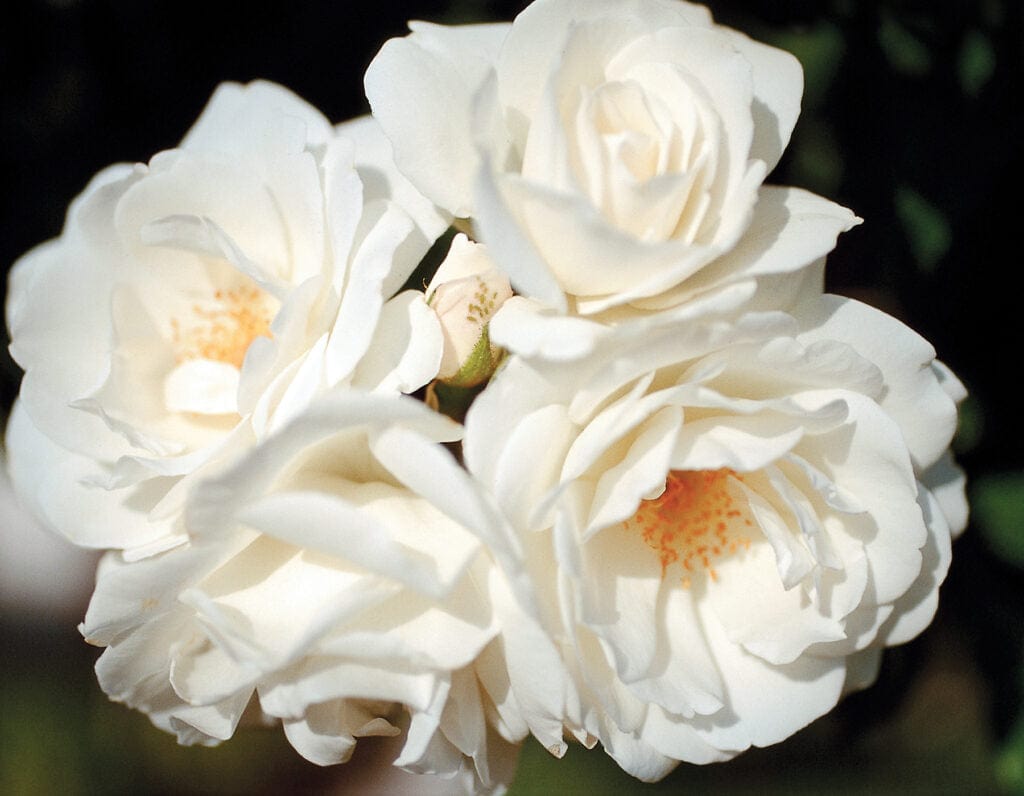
(479, 365)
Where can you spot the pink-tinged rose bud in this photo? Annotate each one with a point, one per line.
(465, 293)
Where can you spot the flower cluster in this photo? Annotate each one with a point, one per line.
(618, 470)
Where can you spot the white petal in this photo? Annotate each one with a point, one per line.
(527, 328)
(643, 469)
(620, 606)
(219, 127)
(536, 671)
(297, 328)
(192, 206)
(914, 397)
(758, 613)
(869, 460)
(511, 247)
(130, 594)
(778, 86)
(421, 90)
(406, 349)
(343, 417)
(790, 229)
(677, 740)
(636, 757)
(428, 470)
(66, 360)
(134, 669)
(326, 734)
(916, 608)
(363, 296)
(374, 160)
(290, 693)
(684, 678)
(947, 484)
(765, 703)
(278, 156)
(515, 391)
(724, 75)
(444, 636)
(217, 721)
(541, 438)
(202, 673)
(743, 444)
(292, 391)
(59, 487)
(343, 197)
(577, 246)
(614, 422)
(538, 36)
(365, 539)
(202, 386)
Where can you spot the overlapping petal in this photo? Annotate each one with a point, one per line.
(732, 509)
(199, 302)
(320, 585)
(610, 154)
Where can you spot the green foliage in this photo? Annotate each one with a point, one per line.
(976, 63)
(907, 54)
(817, 162)
(820, 51)
(1010, 762)
(926, 227)
(998, 505)
(60, 734)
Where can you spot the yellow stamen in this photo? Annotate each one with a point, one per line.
(695, 522)
(223, 329)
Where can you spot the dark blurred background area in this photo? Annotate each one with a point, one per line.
(913, 117)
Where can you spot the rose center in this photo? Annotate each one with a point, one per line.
(223, 328)
(629, 129)
(695, 522)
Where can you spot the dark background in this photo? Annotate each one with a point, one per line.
(912, 117)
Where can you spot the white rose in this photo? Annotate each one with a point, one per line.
(332, 582)
(729, 520)
(465, 292)
(608, 152)
(194, 304)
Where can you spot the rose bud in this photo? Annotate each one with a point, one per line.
(465, 293)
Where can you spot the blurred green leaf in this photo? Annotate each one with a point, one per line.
(905, 51)
(970, 425)
(926, 227)
(41, 753)
(1010, 760)
(59, 734)
(580, 771)
(998, 505)
(976, 63)
(820, 52)
(817, 161)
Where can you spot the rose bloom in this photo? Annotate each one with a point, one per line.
(726, 520)
(194, 304)
(214, 356)
(609, 153)
(331, 583)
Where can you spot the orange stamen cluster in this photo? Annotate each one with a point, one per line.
(694, 522)
(224, 329)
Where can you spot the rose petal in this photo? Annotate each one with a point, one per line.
(436, 67)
